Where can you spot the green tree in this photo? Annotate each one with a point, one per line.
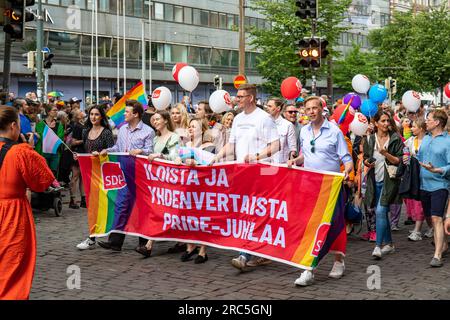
(279, 53)
(414, 49)
(355, 62)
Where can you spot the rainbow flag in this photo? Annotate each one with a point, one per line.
(50, 141)
(117, 112)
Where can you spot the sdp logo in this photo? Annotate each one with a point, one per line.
(319, 241)
(113, 177)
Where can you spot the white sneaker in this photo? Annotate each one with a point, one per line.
(415, 236)
(395, 228)
(239, 262)
(377, 253)
(305, 279)
(86, 244)
(387, 249)
(429, 233)
(338, 270)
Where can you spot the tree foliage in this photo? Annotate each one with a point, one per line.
(278, 59)
(414, 49)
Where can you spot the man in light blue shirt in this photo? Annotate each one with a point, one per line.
(323, 148)
(434, 157)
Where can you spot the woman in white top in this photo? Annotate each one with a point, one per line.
(413, 207)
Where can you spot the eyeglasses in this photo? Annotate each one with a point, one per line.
(313, 144)
(292, 112)
(240, 97)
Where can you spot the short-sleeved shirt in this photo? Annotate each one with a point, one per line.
(251, 133)
(330, 148)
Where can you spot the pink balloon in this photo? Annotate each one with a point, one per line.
(176, 69)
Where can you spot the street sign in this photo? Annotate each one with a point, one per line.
(46, 50)
(239, 80)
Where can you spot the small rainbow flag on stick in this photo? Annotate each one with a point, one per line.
(117, 112)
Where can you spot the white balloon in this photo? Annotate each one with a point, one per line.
(220, 101)
(361, 84)
(411, 100)
(359, 125)
(188, 78)
(161, 98)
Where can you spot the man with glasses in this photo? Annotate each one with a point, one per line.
(253, 137)
(323, 148)
(434, 158)
(290, 113)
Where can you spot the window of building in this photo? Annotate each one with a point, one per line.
(114, 47)
(196, 17)
(199, 55)
(133, 50)
(234, 58)
(103, 5)
(222, 21)
(178, 14)
(204, 18)
(157, 51)
(138, 8)
(231, 21)
(214, 20)
(159, 11)
(80, 3)
(104, 47)
(129, 11)
(220, 57)
(113, 6)
(168, 12)
(187, 15)
(63, 43)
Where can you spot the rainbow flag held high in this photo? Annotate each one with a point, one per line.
(50, 141)
(117, 112)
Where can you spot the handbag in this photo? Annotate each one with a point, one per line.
(392, 170)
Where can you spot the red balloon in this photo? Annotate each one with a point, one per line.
(176, 69)
(447, 90)
(345, 124)
(291, 88)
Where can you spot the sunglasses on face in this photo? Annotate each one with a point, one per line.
(292, 112)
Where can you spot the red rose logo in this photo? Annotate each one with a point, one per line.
(416, 95)
(227, 98)
(362, 118)
(156, 94)
(321, 236)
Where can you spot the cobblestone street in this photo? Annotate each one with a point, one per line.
(406, 274)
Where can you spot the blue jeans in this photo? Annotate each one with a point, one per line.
(382, 220)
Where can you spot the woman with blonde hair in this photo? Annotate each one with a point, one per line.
(199, 137)
(180, 119)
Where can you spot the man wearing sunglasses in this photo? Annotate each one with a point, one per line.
(290, 113)
(323, 148)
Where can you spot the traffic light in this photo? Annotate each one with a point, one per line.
(323, 49)
(16, 16)
(306, 8)
(218, 82)
(309, 53)
(48, 60)
(393, 86)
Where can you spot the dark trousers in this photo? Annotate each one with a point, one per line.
(117, 240)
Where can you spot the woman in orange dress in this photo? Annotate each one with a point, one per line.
(21, 168)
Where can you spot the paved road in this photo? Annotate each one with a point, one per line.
(125, 275)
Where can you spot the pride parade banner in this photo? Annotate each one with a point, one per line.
(293, 216)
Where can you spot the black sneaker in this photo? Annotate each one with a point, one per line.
(108, 245)
(177, 248)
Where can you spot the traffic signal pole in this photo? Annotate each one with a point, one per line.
(39, 57)
(7, 63)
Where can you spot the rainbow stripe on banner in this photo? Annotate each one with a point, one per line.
(50, 141)
(117, 112)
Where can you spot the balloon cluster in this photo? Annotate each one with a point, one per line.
(377, 94)
(186, 76)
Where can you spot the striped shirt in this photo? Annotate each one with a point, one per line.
(140, 137)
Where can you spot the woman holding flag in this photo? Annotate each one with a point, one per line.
(42, 129)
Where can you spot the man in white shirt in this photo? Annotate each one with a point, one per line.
(253, 137)
(286, 131)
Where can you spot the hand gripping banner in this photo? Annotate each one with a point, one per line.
(294, 216)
